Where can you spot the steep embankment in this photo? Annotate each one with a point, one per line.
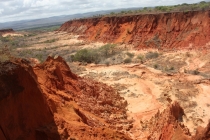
(49, 102)
(165, 30)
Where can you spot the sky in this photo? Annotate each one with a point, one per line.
(14, 10)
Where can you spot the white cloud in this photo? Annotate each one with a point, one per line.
(1, 10)
(30, 9)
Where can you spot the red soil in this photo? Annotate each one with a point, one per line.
(162, 31)
(49, 102)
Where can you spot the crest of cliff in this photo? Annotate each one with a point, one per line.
(165, 30)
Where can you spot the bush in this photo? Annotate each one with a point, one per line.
(107, 50)
(107, 63)
(127, 60)
(195, 72)
(86, 55)
(152, 55)
(94, 55)
(50, 41)
(131, 55)
(140, 57)
(156, 66)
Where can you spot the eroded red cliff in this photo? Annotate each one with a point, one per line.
(49, 102)
(165, 30)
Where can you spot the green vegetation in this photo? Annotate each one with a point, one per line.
(44, 29)
(140, 57)
(86, 55)
(203, 5)
(50, 41)
(127, 60)
(156, 66)
(131, 55)
(12, 42)
(151, 55)
(94, 55)
(4, 54)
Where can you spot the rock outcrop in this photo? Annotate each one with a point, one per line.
(161, 31)
(167, 125)
(49, 102)
(202, 133)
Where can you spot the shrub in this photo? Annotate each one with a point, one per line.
(107, 50)
(50, 41)
(94, 55)
(140, 57)
(172, 68)
(86, 55)
(131, 55)
(195, 72)
(152, 55)
(156, 66)
(4, 54)
(107, 63)
(127, 60)
(3, 58)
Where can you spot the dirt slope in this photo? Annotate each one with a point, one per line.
(162, 31)
(50, 102)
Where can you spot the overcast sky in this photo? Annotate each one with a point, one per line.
(13, 10)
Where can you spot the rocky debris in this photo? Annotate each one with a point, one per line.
(48, 101)
(167, 125)
(162, 31)
(202, 133)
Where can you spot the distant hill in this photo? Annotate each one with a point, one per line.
(56, 20)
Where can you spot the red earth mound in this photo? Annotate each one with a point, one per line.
(161, 31)
(49, 102)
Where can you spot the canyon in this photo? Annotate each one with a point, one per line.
(161, 31)
(161, 94)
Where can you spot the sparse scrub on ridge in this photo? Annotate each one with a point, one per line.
(203, 5)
